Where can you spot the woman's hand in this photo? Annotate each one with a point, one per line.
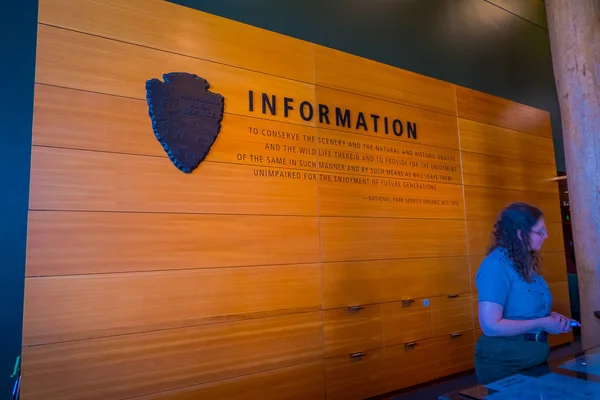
(556, 323)
(562, 318)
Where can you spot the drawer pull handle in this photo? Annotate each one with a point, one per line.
(453, 296)
(354, 308)
(406, 302)
(357, 356)
(455, 335)
(410, 345)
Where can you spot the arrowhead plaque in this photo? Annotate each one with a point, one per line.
(186, 117)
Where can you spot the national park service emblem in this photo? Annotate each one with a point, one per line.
(186, 117)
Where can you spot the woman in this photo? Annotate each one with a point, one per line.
(514, 300)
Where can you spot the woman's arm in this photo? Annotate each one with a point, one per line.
(492, 323)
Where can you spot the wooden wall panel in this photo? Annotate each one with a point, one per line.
(409, 365)
(364, 155)
(496, 111)
(146, 282)
(83, 120)
(165, 26)
(554, 266)
(343, 196)
(347, 72)
(479, 237)
(451, 314)
(489, 171)
(481, 138)
(486, 203)
(301, 382)
(397, 154)
(69, 59)
(61, 243)
(349, 239)
(163, 360)
(119, 182)
(558, 340)
(407, 321)
(428, 359)
(77, 119)
(347, 331)
(435, 129)
(454, 354)
(83, 306)
(358, 378)
(560, 297)
(367, 282)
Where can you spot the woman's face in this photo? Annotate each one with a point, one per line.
(538, 235)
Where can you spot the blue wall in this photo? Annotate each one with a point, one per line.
(499, 47)
(18, 29)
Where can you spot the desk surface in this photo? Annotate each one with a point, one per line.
(575, 377)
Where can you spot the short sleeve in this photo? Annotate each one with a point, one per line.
(492, 281)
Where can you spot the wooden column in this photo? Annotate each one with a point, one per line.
(574, 28)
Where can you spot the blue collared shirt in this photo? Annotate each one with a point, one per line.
(498, 281)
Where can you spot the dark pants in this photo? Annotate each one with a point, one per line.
(498, 357)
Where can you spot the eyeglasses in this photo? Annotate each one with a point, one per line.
(542, 232)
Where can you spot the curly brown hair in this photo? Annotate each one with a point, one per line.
(518, 217)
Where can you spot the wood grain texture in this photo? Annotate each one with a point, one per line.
(451, 314)
(554, 266)
(486, 203)
(558, 340)
(348, 331)
(80, 307)
(166, 26)
(367, 282)
(344, 71)
(454, 354)
(72, 60)
(409, 365)
(560, 297)
(405, 322)
(300, 382)
(92, 121)
(496, 111)
(395, 153)
(83, 120)
(339, 198)
(495, 141)
(139, 364)
(504, 173)
(479, 237)
(355, 379)
(364, 155)
(432, 128)
(427, 359)
(147, 283)
(61, 243)
(65, 179)
(349, 239)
